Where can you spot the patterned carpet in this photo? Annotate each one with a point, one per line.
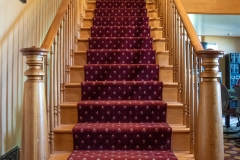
(232, 152)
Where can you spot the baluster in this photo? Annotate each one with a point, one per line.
(62, 62)
(178, 57)
(47, 89)
(71, 32)
(192, 98)
(170, 33)
(67, 45)
(51, 101)
(174, 45)
(34, 124)
(210, 131)
(69, 38)
(58, 74)
(187, 82)
(182, 70)
(55, 79)
(64, 49)
(196, 99)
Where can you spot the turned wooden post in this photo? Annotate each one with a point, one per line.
(34, 121)
(209, 128)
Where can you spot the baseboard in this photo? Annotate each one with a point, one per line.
(11, 155)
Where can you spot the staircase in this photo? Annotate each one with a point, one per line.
(107, 87)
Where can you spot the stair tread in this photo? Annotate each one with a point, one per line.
(122, 154)
(150, 18)
(116, 50)
(170, 104)
(124, 8)
(181, 155)
(154, 39)
(160, 66)
(67, 128)
(164, 84)
(88, 28)
(110, 1)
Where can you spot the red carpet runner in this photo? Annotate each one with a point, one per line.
(121, 115)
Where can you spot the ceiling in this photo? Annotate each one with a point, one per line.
(216, 25)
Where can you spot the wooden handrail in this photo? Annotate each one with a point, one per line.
(52, 32)
(197, 46)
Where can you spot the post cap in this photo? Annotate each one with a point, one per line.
(210, 53)
(34, 51)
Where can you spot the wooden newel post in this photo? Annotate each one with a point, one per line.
(209, 128)
(34, 121)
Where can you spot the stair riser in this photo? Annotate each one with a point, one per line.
(181, 141)
(152, 22)
(155, 33)
(64, 141)
(158, 45)
(80, 59)
(166, 74)
(90, 14)
(73, 93)
(170, 93)
(69, 114)
(77, 74)
(175, 115)
(152, 14)
(148, 5)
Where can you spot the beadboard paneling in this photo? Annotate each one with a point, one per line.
(22, 25)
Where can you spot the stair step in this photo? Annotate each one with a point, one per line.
(153, 22)
(69, 113)
(121, 21)
(120, 31)
(156, 32)
(157, 44)
(72, 92)
(121, 111)
(63, 138)
(115, 56)
(120, 4)
(77, 74)
(63, 155)
(120, 12)
(121, 72)
(150, 13)
(149, 5)
(121, 90)
(162, 57)
(122, 136)
(130, 155)
(120, 43)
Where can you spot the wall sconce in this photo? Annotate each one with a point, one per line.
(23, 1)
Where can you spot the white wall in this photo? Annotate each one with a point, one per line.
(228, 45)
(21, 25)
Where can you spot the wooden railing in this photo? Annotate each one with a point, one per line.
(55, 57)
(195, 70)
